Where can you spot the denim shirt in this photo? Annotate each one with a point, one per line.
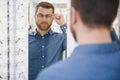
(45, 50)
(88, 62)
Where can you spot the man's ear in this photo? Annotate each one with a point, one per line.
(73, 16)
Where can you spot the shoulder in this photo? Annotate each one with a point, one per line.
(54, 72)
(31, 37)
(60, 35)
(31, 34)
(62, 70)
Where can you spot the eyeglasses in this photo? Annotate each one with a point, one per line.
(41, 16)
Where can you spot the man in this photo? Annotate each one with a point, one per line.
(45, 46)
(98, 55)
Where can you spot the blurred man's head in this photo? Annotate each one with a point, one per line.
(94, 13)
(44, 15)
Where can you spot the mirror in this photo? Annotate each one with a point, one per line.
(47, 34)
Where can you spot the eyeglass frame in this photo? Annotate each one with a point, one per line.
(47, 16)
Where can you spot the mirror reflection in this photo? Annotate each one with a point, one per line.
(47, 34)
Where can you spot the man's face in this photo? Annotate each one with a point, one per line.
(44, 18)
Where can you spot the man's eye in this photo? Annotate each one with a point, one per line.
(39, 15)
(49, 16)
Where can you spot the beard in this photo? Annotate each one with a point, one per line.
(44, 26)
(73, 33)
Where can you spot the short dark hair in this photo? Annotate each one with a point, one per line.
(44, 5)
(96, 12)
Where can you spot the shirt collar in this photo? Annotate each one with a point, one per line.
(49, 32)
(97, 48)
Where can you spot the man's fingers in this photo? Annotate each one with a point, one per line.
(57, 16)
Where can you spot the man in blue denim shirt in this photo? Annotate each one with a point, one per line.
(97, 57)
(45, 46)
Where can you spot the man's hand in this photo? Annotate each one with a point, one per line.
(59, 18)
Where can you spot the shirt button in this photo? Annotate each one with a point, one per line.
(43, 56)
(43, 66)
(42, 37)
(43, 46)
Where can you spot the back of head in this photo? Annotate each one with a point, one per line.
(96, 12)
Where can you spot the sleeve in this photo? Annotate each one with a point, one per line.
(63, 28)
(114, 36)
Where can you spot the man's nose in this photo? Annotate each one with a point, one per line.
(44, 18)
